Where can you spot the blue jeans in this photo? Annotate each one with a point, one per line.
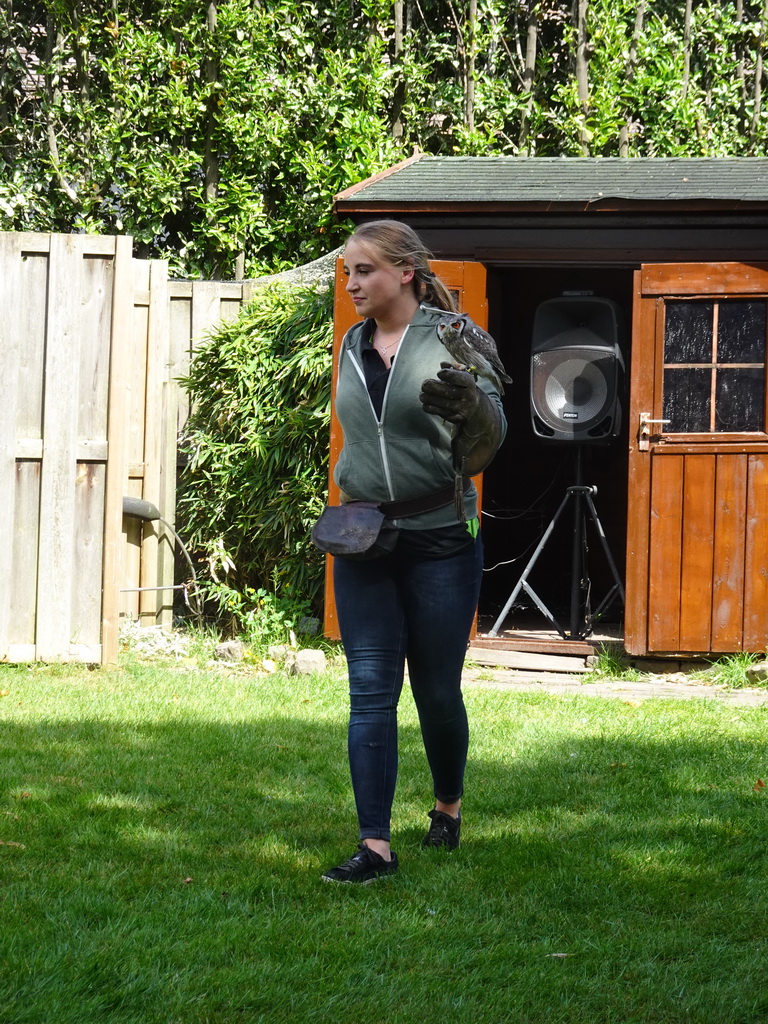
(390, 610)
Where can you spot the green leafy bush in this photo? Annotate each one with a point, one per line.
(257, 449)
(217, 134)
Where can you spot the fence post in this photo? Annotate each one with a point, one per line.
(117, 436)
(10, 301)
(157, 560)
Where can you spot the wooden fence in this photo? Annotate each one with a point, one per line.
(91, 344)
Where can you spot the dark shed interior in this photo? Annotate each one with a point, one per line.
(525, 485)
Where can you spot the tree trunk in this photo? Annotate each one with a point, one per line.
(398, 97)
(630, 74)
(740, 52)
(687, 48)
(469, 77)
(211, 159)
(5, 117)
(757, 92)
(210, 154)
(83, 85)
(465, 47)
(582, 71)
(54, 41)
(529, 74)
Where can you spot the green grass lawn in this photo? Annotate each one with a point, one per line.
(164, 828)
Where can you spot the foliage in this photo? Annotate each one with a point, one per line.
(218, 134)
(257, 445)
(164, 830)
(612, 662)
(731, 670)
(259, 616)
(201, 137)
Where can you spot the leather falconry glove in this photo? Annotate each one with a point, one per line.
(455, 397)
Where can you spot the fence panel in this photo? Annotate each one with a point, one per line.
(151, 450)
(10, 289)
(171, 318)
(56, 350)
(92, 343)
(196, 307)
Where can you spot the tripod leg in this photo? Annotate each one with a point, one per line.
(544, 610)
(577, 564)
(526, 572)
(606, 549)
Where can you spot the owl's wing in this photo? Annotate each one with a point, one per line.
(484, 344)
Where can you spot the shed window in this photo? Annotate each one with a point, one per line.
(714, 366)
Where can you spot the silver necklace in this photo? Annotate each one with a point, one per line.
(383, 351)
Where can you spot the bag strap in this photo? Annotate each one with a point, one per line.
(425, 503)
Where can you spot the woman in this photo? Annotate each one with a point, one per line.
(416, 604)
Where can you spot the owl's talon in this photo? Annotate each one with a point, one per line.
(465, 369)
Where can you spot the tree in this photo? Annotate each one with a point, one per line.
(217, 134)
(202, 132)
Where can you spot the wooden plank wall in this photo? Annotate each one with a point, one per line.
(173, 318)
(57, 301)
(196, 307)
(148, 548)
(708, 550)
(91, 344)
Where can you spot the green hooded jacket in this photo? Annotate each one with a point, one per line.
(408, 453)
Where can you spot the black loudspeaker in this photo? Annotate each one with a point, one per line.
(577, 369)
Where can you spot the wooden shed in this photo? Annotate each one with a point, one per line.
(678, 250)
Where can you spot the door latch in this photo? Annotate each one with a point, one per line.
(644, 434)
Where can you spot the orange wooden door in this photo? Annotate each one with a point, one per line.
(467, 281)
(697, 531)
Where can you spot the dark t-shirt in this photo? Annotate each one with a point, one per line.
(376, 377)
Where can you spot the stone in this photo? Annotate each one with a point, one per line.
(278, 652)
(318, 274)
(230, 650)
(757, 673)
(307, 662)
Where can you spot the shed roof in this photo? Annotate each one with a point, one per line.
(545, 183)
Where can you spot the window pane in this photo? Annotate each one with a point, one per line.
(688, 332)
(739, 399)
(687, 395)
(741, 332)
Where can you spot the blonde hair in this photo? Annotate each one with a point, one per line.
(399, 245)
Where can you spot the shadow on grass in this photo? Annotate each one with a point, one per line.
(191, 784)
(168, 871)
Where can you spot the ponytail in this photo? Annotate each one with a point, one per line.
(434, 293)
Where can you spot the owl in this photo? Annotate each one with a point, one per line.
(472, 348)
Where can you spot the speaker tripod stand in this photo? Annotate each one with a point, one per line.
(580, 496)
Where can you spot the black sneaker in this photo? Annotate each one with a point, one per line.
(365, 866)
(444, 830)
